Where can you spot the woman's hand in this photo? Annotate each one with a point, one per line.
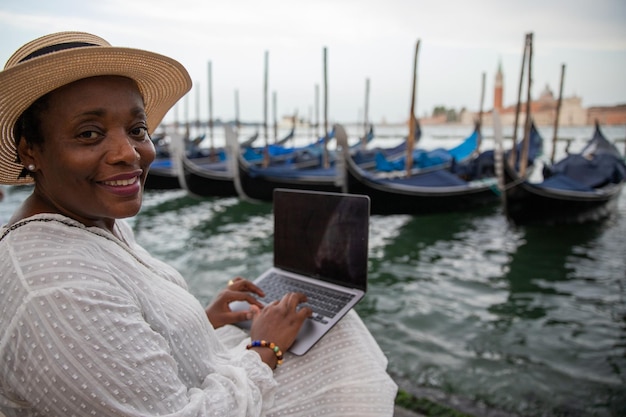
(280, 321)
(239, 289)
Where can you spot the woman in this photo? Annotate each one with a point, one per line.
(90, 323)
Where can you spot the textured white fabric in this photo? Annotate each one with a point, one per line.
(92, 325)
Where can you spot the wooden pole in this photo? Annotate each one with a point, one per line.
(275, 117)
(197, 120)
(412, 119)
(366, 114)
(210, 98)
(326, 162)
(317, 111)
(310, 115)
(197, 139)
(294, 122)
(176, 118)
(266, 156)
(186, 117)
(480, 112)
(499, 158)
(556, 117)
(237, 121)
(526, 143)
(513, 153)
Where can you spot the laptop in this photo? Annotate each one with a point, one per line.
(321, 250)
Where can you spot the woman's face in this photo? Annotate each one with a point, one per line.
(96, 151)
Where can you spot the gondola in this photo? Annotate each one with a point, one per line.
(259, 183)
(197, 163)
(461, 187)
(163, 174)
(582, 187)
(207, 178)
(457, 182)
(255, 182)
(304, 170)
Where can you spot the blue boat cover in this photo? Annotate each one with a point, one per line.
(483, 166)
(289, 171)
(603, 169)
(535, 148)
(427, 159)
(162, 163)
(401, 147)
(465, 148)
(438, 178)
(256, 153)
(563, 182)
(598, 164)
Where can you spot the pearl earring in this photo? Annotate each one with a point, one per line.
(31, 167)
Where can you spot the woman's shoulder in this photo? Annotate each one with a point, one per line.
(49, 238)
(39, 226)
(57, 236)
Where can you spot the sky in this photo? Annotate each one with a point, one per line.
(366, 41)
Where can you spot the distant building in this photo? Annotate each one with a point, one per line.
(544, 109)
(615, 115)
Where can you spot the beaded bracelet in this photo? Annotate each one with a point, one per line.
(271, 345)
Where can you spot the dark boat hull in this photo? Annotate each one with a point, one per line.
(204, 178)
(527, 203)
(582, 187)
(162, 178)
(259, 184)
(389, 198)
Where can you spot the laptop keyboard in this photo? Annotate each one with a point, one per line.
(324, 302)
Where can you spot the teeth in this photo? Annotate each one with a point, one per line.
(120, 183)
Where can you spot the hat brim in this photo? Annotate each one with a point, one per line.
(161, 80)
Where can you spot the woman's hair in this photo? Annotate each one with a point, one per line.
(28, 126)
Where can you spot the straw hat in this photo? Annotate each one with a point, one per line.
(52, 61)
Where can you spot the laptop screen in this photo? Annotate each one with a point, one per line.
(322, 235)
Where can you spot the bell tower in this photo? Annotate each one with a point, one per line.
(498, 92)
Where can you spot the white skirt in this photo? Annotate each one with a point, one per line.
(343, 375)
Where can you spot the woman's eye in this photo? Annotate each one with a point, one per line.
(139, 131)
(89, 134)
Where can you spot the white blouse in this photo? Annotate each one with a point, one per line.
(92, 325)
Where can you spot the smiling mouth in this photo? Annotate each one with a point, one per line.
(121, 183)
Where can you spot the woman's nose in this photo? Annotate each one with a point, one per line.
(123, 147)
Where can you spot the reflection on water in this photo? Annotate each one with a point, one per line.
(551, 331)
(529, 320)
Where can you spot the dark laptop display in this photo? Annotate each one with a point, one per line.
(323, 236)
